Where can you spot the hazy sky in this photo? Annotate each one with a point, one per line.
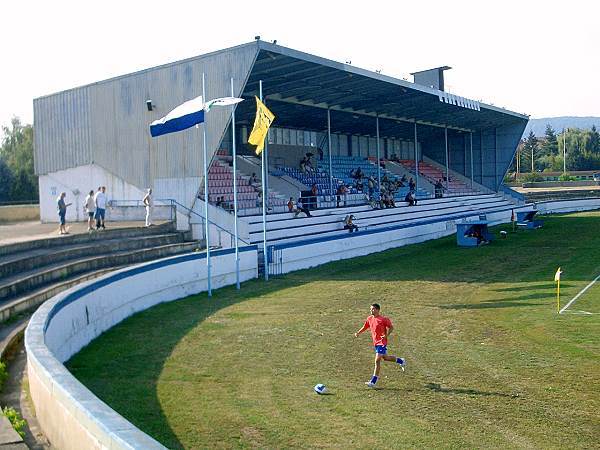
(536, 57)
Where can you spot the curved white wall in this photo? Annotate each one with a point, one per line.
(70, 415)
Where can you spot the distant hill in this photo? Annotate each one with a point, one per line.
(538, 126)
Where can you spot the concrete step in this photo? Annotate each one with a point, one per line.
(109, 234)
(38, 258)
(24, 303)
(23, 282)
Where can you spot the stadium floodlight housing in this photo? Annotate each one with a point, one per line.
(257, 37)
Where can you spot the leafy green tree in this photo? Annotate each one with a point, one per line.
(17, 152)
(7, 181)
(530, 150)
(550, 144)
(594, 141)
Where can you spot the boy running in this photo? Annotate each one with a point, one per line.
(381, 327)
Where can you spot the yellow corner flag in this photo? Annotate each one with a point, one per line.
(557, 279)
(262, 122)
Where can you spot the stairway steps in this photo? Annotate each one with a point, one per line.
(38, 258)
(59, 241)
(23, 282)
(35, 298)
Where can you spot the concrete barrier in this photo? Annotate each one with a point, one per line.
(19, 213)
(71, 416)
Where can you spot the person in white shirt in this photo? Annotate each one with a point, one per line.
(149, 204)
(90, 208)
(100, 202)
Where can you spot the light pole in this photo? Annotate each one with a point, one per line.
(565, 151)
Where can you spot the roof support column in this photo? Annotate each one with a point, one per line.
(447, 171)
(378, 156)
(416, 162)
(206, 198)
(496, 182)
(331, 192)
(471, 136)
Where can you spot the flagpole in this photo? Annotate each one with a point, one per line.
(206, 196)
(235, 205)
(264, 196)
(331, 192)
(558, 296)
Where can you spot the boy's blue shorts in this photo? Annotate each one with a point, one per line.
(381, 349)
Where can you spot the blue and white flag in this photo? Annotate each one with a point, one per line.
(223, 101)
(184, 116)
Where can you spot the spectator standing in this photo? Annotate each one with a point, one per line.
(149, 204)
(314, 191)
(411, 184)
(439, 188)
(100, 202)
(342, 191)
(90, 209)
(254, 182)
(291, 205)
(62, 212)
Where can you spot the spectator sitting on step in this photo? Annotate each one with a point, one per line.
(291, 205)
(403, 179)
(342, 191)
(301, 207)
(219, 202)
(349, 224)
(382, 163)
(388, 201)
(359, 185)
(253, 181)
(410, 199)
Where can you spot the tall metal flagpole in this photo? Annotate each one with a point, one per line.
(564, 151)
(206, 196)
(447, 173)
(235, 205)
(378, 156)
(331, 192)
(264, 196)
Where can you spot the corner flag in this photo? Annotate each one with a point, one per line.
(557, 274)
(184, 116)
(262, 122)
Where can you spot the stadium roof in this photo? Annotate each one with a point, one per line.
(294, 83)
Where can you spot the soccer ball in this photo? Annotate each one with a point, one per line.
(320, 389)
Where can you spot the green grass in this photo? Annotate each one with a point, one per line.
(490, 363)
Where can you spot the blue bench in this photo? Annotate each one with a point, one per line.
(526, 219)
(473, 234)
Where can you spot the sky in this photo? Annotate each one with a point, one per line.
(535, 57)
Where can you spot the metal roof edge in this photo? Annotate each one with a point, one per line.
(267, 46)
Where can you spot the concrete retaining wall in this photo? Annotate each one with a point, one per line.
(70, 415)
(19, 213)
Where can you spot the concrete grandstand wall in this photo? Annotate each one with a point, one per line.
(70, 415)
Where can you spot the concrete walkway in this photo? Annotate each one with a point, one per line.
(11, 233)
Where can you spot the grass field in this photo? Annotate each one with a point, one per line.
(490, 363)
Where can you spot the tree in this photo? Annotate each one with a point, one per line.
(550, 144)
(594, 141)
(7, 181)
(17, 152)
(530, 148)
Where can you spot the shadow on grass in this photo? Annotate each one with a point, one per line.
(438, 388)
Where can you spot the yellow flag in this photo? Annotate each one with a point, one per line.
(557, 275)
(262, 122)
